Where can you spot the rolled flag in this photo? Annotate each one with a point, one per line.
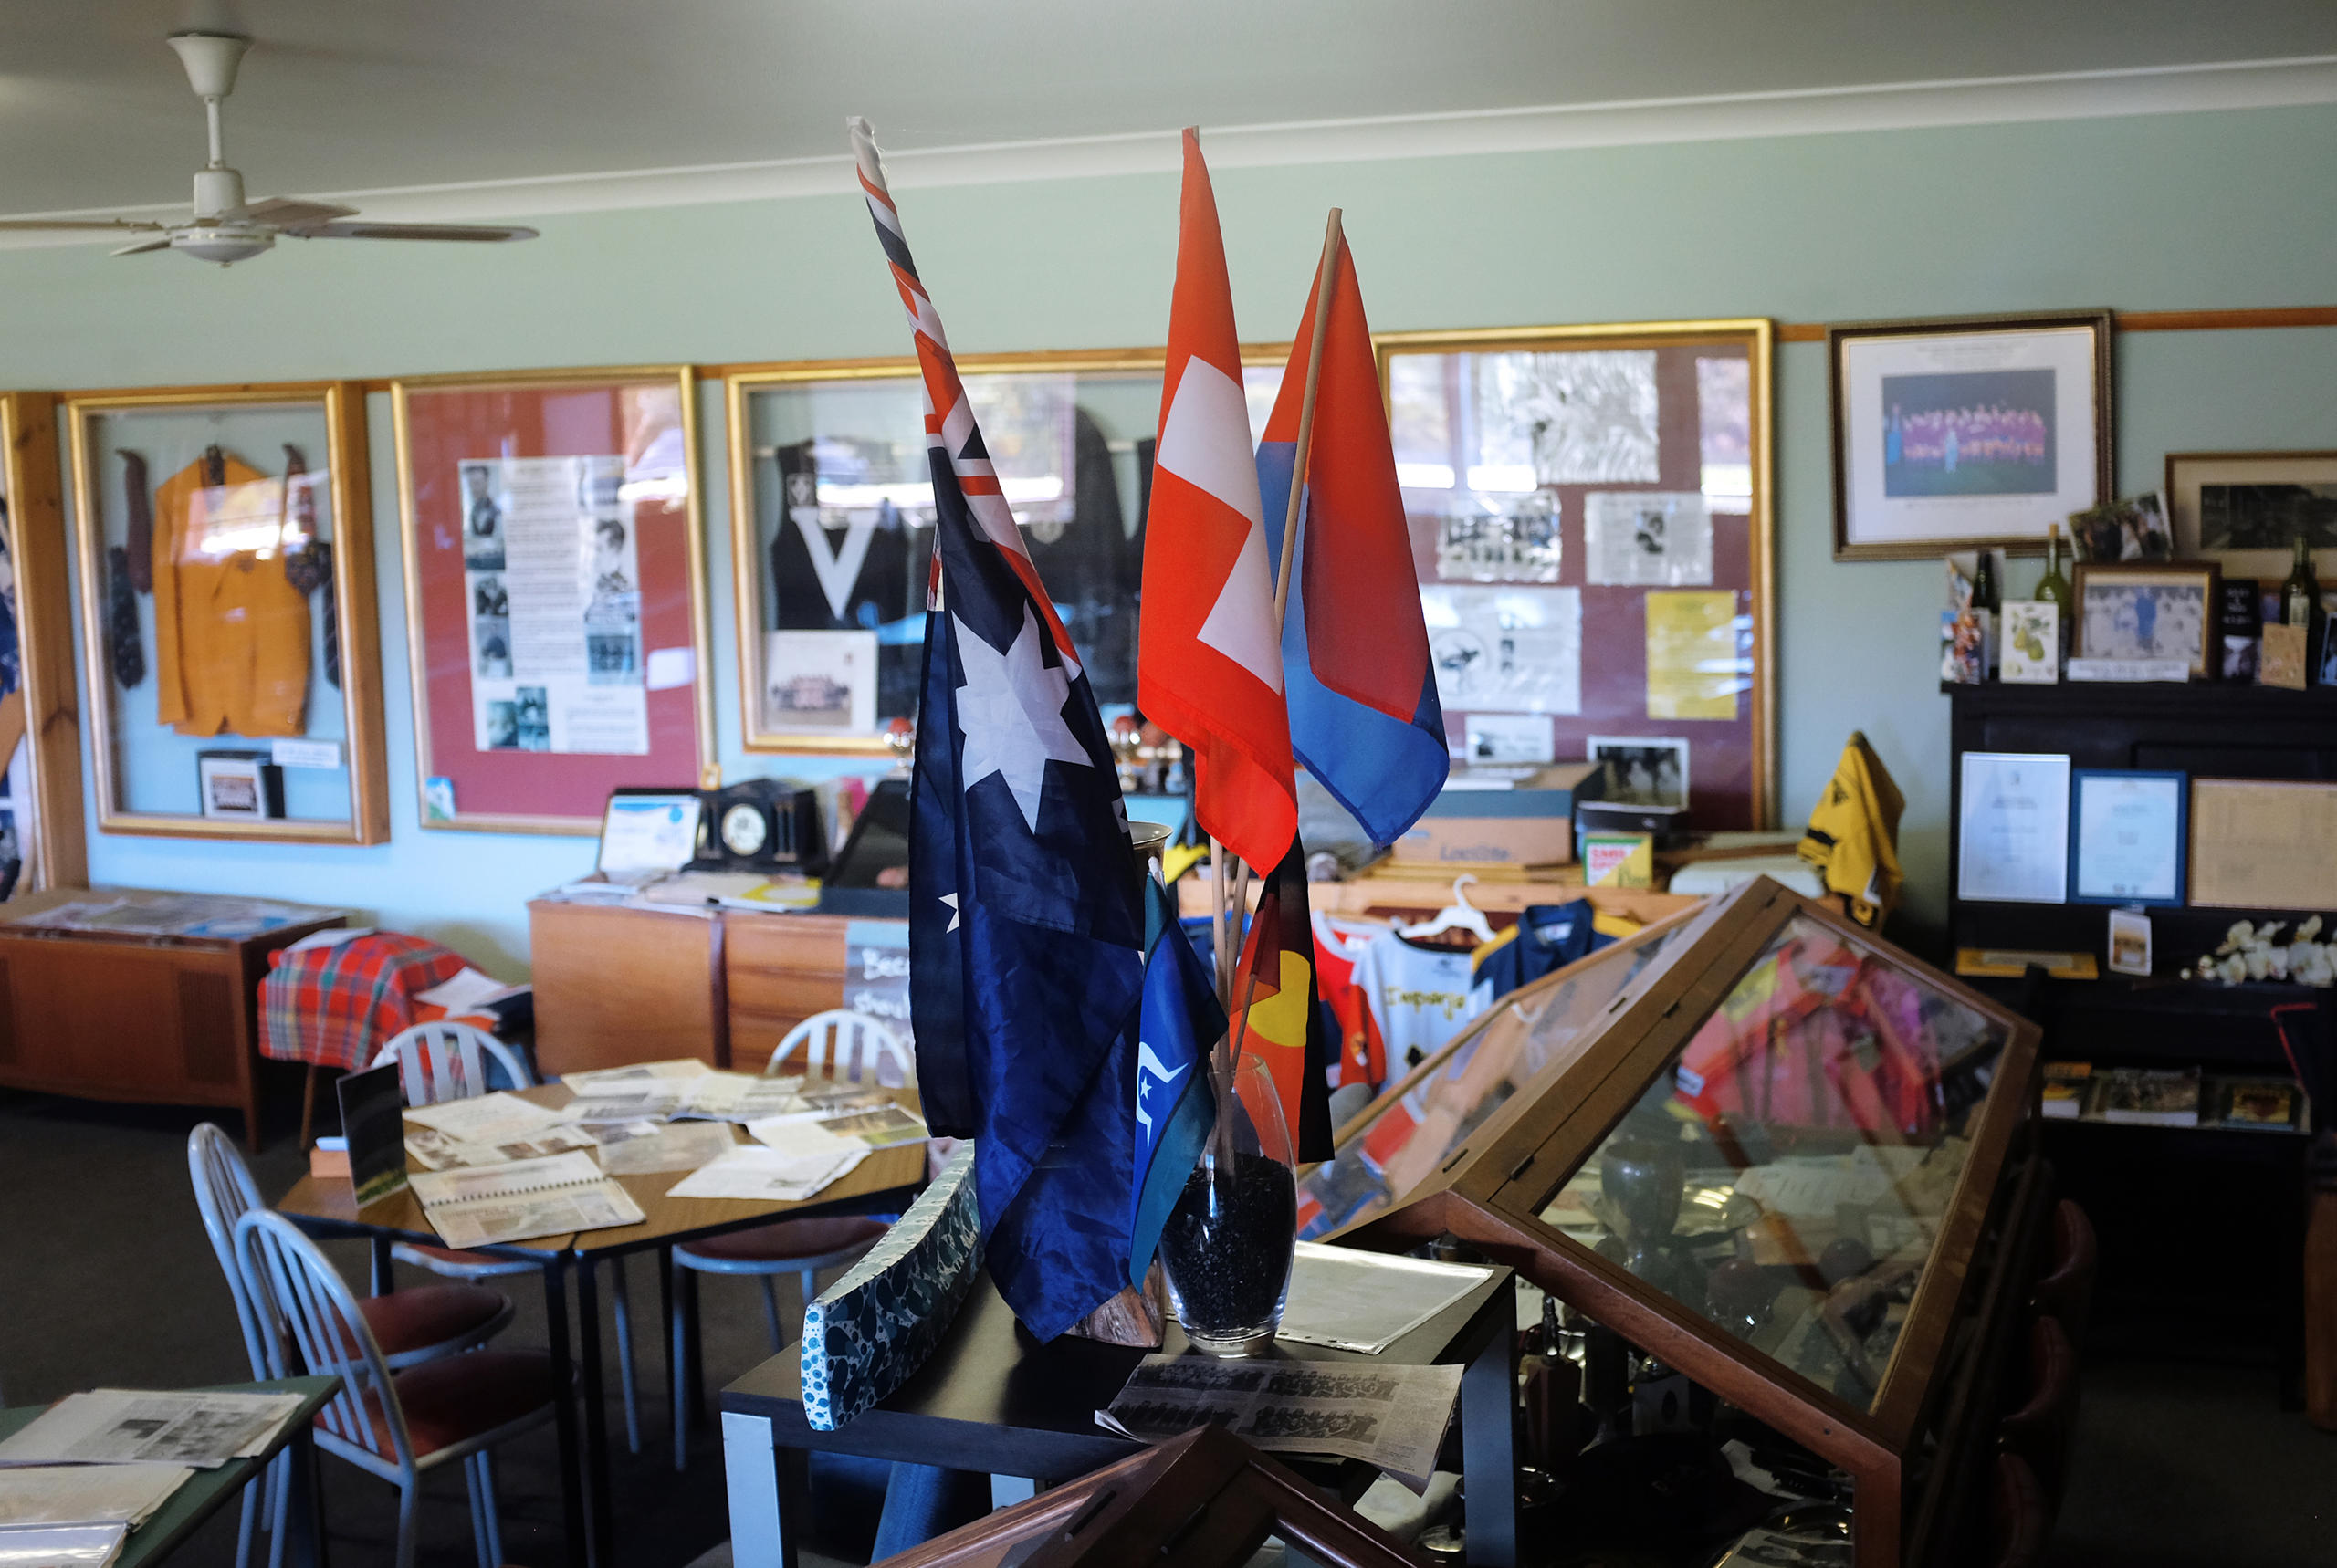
(1178, 1026)
(1210, 655)
(1363, 718)
(1274, 984)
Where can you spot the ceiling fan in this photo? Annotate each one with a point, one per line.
(224, 228)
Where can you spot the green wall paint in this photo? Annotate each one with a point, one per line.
(2196, 211)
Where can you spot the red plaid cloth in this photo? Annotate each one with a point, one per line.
(335, 1007)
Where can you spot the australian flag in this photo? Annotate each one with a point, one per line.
(1027, 926)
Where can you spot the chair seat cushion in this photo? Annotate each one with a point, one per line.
(427, 1255)
(426, 1315)
(785, 1240)
(457, 1397)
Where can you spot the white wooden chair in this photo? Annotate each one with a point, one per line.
(856, 1046)
(447, 1061)
(410, 1326)
(398, 1426)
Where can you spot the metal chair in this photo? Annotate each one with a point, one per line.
(860, 1044)
(798, 1246)
(412, 1326)
(398, 1426)
(447, 1061)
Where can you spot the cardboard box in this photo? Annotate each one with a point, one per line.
(1529, 823)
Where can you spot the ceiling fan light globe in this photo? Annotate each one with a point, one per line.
(225, 244)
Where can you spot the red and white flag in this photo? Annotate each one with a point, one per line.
(1209, 664)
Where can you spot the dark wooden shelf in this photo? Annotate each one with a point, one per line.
(2233, 700)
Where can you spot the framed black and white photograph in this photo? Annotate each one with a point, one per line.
(2246, 511)
(1964, 431)
(240, 786)
(2162, 612)
(1642, 769)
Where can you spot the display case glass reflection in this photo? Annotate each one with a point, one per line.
(831, 526)
(227, 612)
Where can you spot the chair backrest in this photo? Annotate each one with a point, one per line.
(2066, 1290)
(2021, 1518)
(284, 1273)
(858, 1044)
(2040, 1429)
(223, 1193)
(447, 1061)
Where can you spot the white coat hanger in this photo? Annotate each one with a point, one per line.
(1458, 915)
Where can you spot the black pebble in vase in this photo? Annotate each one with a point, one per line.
(123, 650)
(1227, 1246)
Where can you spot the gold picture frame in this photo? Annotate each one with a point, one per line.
(1756, 337)
(340, 405)
(582, 818)
(47, 710)
(741, 383)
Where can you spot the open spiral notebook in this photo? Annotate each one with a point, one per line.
(526, 1198)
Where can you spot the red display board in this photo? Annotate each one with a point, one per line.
(547, 672)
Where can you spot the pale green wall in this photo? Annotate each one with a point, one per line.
(2192, 211)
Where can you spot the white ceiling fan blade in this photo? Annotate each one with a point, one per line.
(102, 225)
(285, 213)
(162, 244)
(471, 232)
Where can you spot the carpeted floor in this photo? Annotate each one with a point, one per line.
(106, 1278)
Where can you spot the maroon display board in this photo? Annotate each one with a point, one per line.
(1506, 442)
(486, 621)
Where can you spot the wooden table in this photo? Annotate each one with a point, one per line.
(125, 1015)
(204, 1491)
(884, 1182)
(992, 1398)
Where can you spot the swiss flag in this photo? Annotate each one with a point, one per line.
(1210, 651)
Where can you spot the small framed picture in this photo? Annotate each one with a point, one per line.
(2324, 670)
(2163, 610)
(1642, 769)
(2246, 511)
(2032, 643)
(2127, 833)
(2130, 942)
(2134, 528)
(1966, 431)
(240, 786)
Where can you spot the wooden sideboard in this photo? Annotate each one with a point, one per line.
(98, 1015)
(615, 985)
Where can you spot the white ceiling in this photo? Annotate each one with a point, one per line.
(342, 96)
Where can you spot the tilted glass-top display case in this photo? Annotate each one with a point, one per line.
(1765, 1147)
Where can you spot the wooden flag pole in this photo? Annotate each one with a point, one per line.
(1326, 278)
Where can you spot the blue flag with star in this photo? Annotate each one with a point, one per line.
(1178, 1024)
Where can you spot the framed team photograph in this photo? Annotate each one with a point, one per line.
(2163, 610)
(1964, 431)
(2246, 511)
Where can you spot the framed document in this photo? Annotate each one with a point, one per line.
(1967, 432)
(2012, 828)
(2263, 844)
(555, 592)
(2127, 836)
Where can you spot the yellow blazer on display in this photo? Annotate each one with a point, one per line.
(231, 633)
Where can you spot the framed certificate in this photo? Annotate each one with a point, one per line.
(2126, 837)
(2012, 828)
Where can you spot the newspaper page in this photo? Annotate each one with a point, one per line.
(679, 1066)
(501, 1117)
(117, 1426)
(770, 1175)
(86, 1494)
(646, 1148)
(432, 1150)
(522, 1201)
(1389, 1417)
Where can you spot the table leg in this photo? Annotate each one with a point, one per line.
(1489, 1437)
(384, 1279)
(596, 1436)
(563, 1371)
(666, 1324)
(766, 1490)
(303, 1515)
(694, 1368)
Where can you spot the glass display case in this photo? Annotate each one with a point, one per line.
(1771, 1161)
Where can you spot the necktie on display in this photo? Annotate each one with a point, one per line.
(308, 560)
(123, 650)
(140, 496)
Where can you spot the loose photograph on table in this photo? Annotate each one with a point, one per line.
(1642, 769)
(1966, 431)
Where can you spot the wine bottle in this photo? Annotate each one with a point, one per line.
(2300, 594)
(2053, 588)
(1983, 584)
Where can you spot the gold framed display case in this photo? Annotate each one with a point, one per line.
(1789, 1160)
(229, 635)
(1599, 501)
(556, 594)
(42, 717)
(831, 523)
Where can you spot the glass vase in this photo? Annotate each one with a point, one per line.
(1228, 1244)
